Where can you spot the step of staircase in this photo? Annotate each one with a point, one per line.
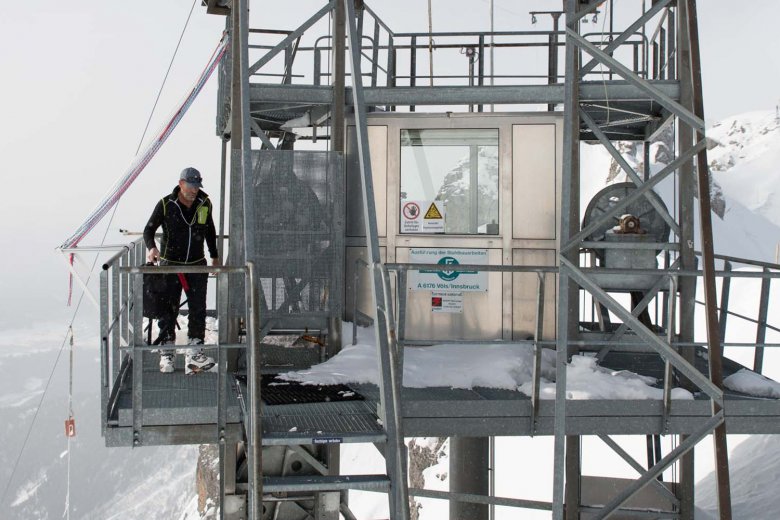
(325, 483)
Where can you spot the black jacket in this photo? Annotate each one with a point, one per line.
(184, 229)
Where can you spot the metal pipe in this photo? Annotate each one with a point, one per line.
(253, 383)
(763, 309)
(568, 305)
(103, 348)
(537, 372)
(111, 261)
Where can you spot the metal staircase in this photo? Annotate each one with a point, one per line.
(269, 426)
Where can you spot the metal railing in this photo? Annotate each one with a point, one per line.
(395, 58)
(664, 292)
(122, 330)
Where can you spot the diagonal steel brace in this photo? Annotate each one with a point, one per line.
(638, 467)
(291, 38)
(659, 207)
(660, 346)
(625, 35)
(620, 206)
(673, 106)
(659, 468)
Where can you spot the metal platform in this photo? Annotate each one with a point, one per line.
(176, 408)
(179, 409)
(321, 423)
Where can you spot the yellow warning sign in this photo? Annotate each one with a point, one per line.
(433, 212)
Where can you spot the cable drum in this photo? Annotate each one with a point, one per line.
(651, 221)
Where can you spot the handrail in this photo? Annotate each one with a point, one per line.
(746, 261)
(413, 42)
(121, 319)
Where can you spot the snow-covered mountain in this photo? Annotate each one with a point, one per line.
(744, 158)
(154, 482)
(754, 468)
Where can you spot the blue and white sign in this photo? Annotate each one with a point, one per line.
(445, 280)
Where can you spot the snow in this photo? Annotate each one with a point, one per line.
(745, 160)
(28, 490)
(504, 366)
(755, 471)
(751, 383)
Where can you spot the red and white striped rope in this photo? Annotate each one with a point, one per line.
(141, 160)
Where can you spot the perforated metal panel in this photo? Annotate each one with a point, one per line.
(298, 197)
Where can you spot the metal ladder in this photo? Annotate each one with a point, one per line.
(385, 434)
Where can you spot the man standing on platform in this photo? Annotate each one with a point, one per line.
(186, 219)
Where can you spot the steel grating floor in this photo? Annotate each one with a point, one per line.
(176, 398)
(322, 423)
(185, 403)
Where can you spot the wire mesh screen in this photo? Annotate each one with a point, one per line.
(298, 197)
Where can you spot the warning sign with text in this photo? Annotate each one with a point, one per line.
(422, 216)
(447, 302)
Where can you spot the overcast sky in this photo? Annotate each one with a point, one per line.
(80, 78)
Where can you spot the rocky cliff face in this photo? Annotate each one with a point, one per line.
(207, 479)
(423, 454)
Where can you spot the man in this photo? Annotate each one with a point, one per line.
(185, 216)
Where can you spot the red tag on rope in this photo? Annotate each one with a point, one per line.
(70, 282)
(70, 427)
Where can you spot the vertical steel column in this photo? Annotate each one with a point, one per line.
(116, 305)
(125, 291)
(222, 183)
(124, 321)
(552, 56)
(469, 473)
(481, 66)
(715, 350)
(573, 477)
(105, 319)
(222, 397)
(338, 144)
(412, 66)
(687, 284)
(254, 435)
(254, 444)
(671, 48)
(138, 355)
(725, 291)
(568, 305)
(763, 310)
(390, 386)
(338, 134)
(374, 54)
(236, 244)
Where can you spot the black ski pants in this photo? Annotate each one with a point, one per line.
(196, 304)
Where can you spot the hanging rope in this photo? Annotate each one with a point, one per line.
(140, 162)
(105, 206)
(70, 425)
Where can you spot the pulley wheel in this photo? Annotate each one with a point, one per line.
(650, 219)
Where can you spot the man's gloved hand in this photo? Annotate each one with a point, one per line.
(153, 255)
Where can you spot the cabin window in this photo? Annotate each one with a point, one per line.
(454, 170)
